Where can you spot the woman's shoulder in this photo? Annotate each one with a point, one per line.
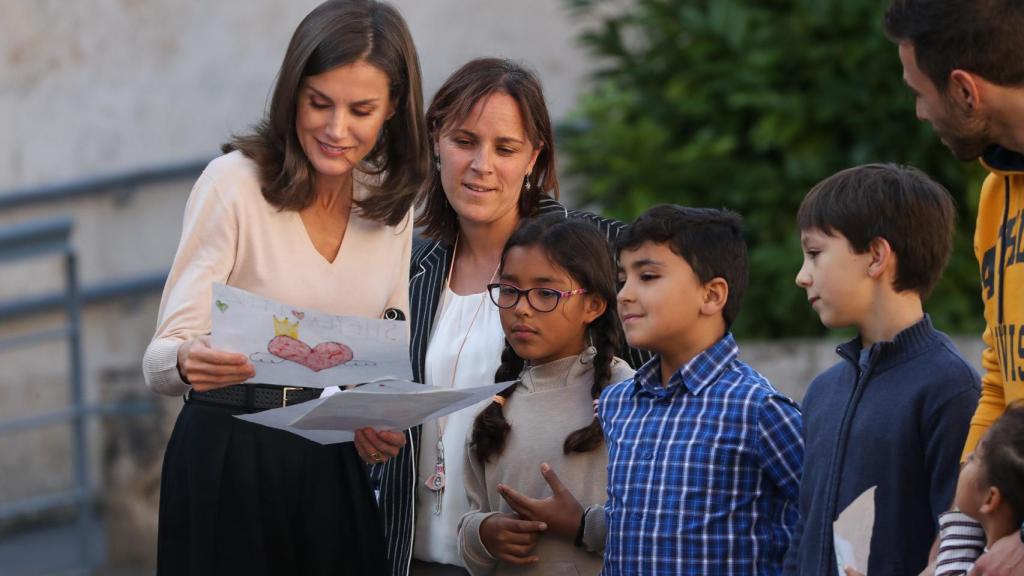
(233, 164)
(609, 226)
(427, 249)
(234, 175)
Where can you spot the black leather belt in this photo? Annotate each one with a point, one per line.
(254, 397)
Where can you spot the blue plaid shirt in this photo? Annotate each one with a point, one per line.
(703, 474)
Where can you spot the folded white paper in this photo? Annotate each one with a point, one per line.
(852, 533)
(281, 418)
(385, 404)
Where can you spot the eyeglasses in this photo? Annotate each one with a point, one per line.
(540, 299)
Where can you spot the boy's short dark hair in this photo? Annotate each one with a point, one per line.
(979, 36)
(711, 241)
(898, 203)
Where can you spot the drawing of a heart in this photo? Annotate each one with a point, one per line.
(320, 357)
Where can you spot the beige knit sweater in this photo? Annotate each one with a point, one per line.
(232, 235)
(551, 401)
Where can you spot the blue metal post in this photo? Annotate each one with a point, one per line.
(78, 424)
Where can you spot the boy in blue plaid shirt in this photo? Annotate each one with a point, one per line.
(704, 455)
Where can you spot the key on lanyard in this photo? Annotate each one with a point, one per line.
(436, 481)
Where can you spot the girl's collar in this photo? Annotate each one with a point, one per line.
(558, 373)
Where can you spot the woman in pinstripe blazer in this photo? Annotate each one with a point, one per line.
(494, 165)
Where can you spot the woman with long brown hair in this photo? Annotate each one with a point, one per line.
(313, 208)
(493, 165)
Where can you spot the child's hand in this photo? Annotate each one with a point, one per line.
(561, 512)
(510, 539)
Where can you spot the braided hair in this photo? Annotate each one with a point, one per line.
(582, 251)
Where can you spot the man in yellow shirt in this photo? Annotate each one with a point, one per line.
(964, 61)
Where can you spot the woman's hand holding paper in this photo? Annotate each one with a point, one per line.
(377, 446)
(206, 368)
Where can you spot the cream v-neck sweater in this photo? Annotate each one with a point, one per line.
(551, 401)
(231, 234)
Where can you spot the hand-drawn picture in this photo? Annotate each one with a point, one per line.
(303, 347)
(286, 345)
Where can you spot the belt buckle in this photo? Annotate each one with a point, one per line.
(284, 394)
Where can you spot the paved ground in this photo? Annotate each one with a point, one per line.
(49, 551)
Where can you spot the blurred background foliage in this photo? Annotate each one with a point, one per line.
(747, 105)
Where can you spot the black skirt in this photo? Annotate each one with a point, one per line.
(240, 498)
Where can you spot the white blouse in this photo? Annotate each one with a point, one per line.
(464, 350)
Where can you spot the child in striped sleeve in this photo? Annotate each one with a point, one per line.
(989, 491)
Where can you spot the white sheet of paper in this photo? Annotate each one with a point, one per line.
(281, 419)
(292, 346)
(391, 404)
(386, 404)
(852, 532)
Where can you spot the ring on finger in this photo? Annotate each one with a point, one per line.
(376, 456)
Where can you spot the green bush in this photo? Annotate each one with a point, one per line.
(747, 105)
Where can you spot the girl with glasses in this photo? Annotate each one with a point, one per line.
(556, 300)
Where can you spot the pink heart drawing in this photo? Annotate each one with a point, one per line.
(320, 357)
(299, 315)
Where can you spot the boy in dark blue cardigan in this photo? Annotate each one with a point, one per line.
(895, 410)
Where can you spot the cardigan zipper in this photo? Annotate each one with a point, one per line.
(842, 442)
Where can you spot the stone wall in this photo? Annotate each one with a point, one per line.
(102, 86)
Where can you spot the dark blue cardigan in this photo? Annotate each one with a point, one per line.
(899, 424)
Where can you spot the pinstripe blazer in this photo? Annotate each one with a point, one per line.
(396, 478)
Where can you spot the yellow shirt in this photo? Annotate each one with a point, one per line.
(999, 247)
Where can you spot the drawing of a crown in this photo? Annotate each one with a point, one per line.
(282, 327)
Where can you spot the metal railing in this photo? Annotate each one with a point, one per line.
(52, 238)
(36, 240)
(109, 185)
(120, 186)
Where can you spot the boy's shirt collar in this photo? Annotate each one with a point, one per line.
(696, 375)
(908, 341)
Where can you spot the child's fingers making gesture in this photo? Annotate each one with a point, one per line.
(561, 511)
(511, 539)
